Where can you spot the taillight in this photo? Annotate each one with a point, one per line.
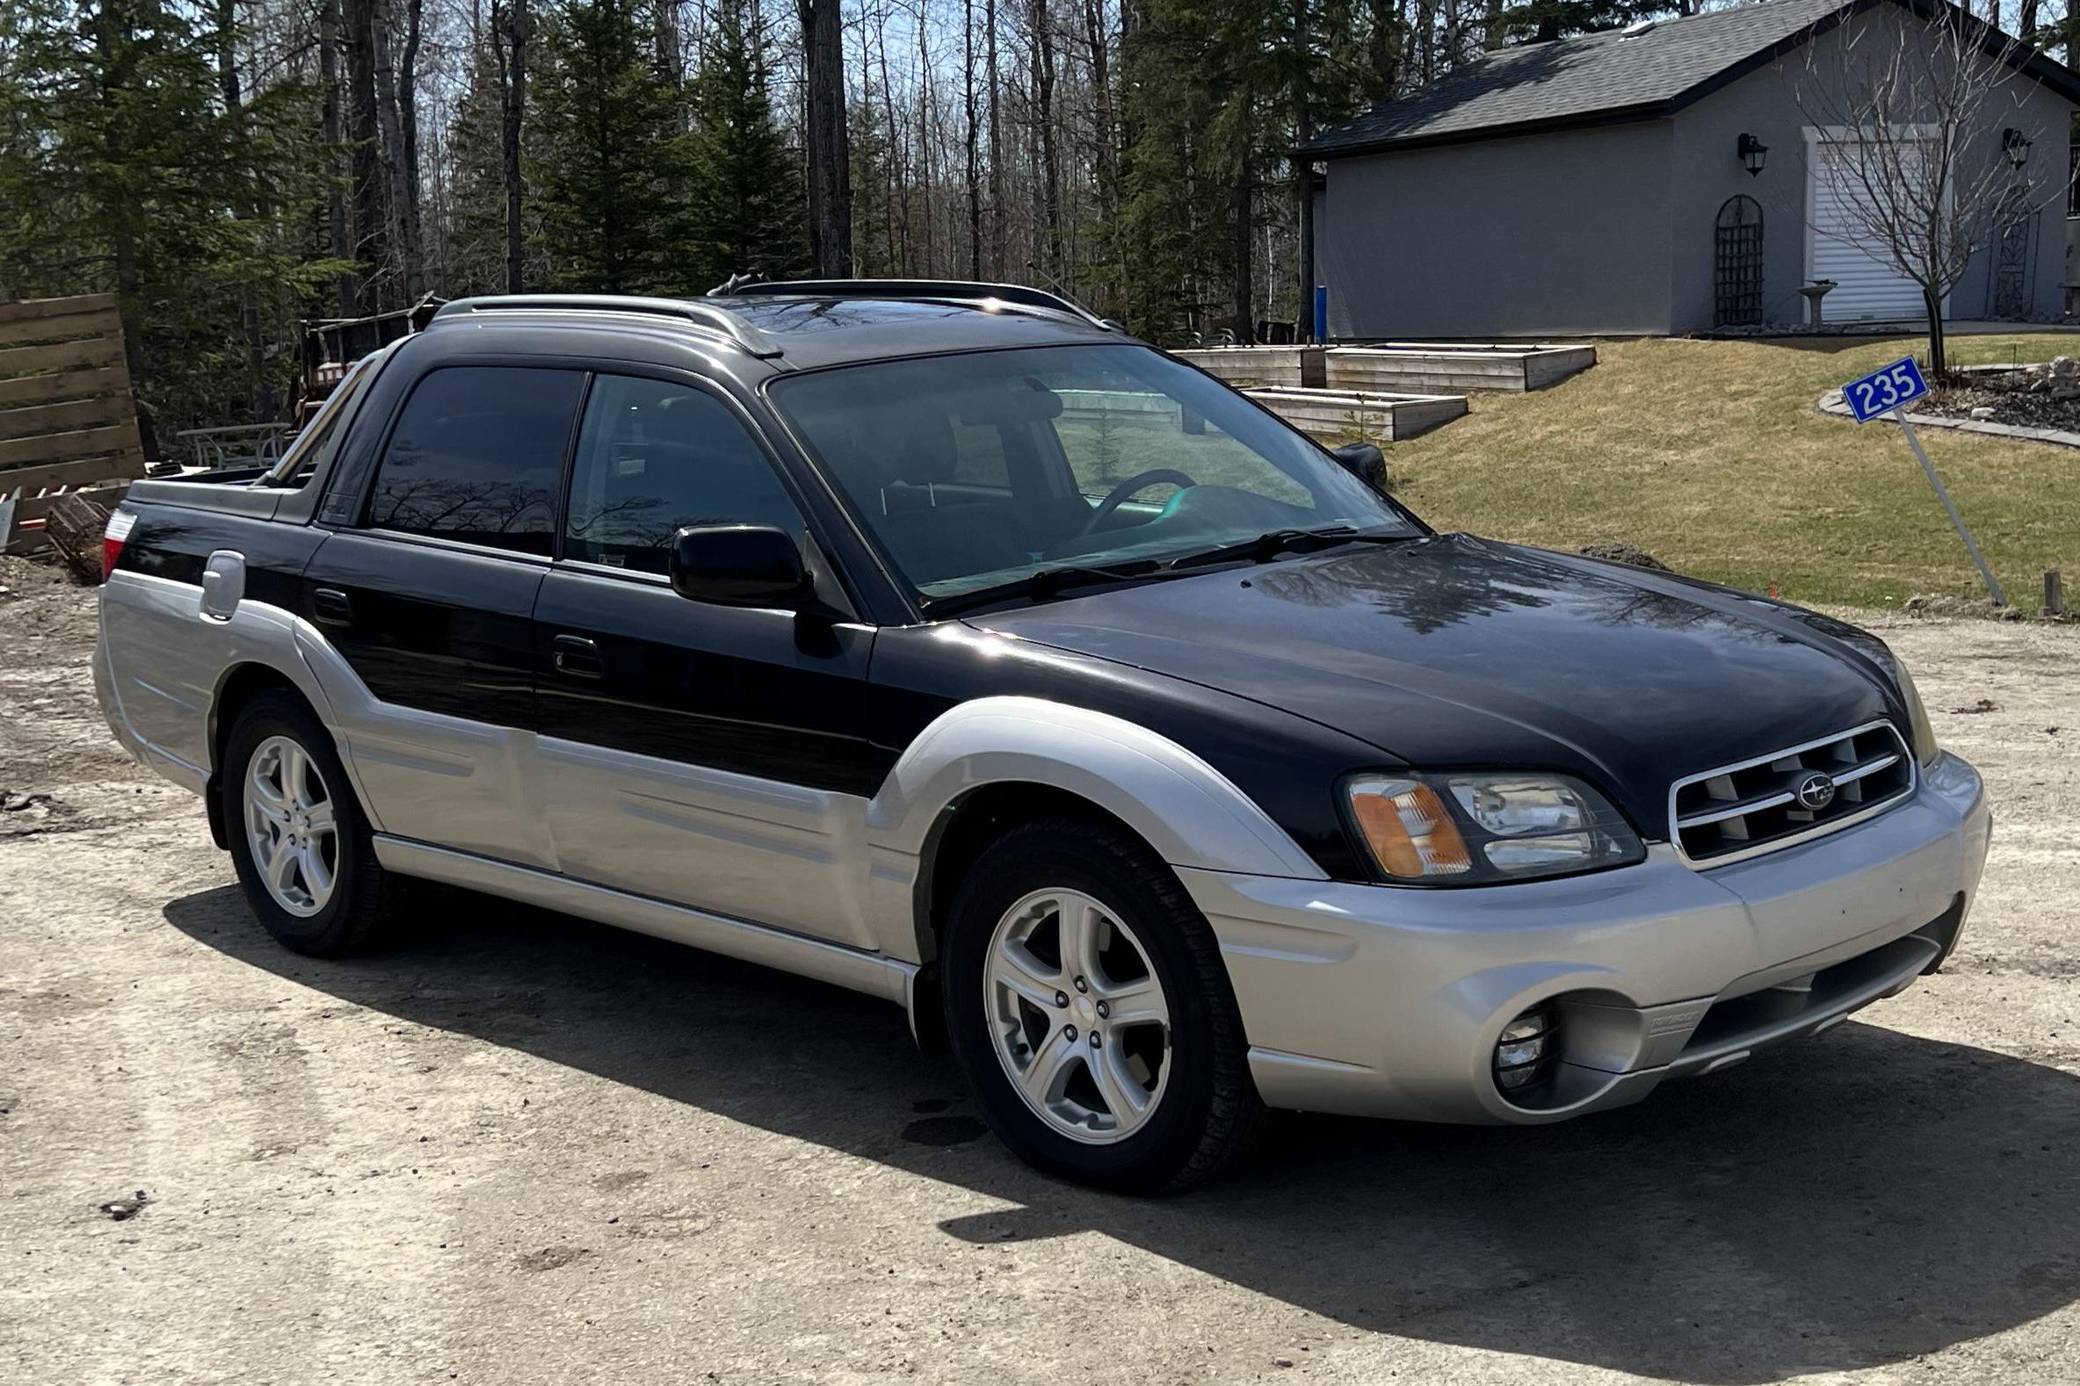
(119, 525)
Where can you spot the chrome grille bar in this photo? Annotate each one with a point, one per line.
(1754, 806)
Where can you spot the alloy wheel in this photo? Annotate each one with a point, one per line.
(1077, 1015)
(290, 826)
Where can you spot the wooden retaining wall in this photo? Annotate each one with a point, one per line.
(67, 422)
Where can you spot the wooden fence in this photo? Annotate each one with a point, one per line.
(67, 423)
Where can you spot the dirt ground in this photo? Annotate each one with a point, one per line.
(528, 1149)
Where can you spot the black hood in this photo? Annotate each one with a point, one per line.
(1452, 652)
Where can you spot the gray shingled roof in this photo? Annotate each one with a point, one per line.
(1579, 79)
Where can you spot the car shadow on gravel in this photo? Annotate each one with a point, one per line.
(1854, 1201)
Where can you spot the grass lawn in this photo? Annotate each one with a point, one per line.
(1710, 456)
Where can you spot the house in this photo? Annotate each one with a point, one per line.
(1660, 179)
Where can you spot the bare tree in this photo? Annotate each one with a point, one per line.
(1923, 144)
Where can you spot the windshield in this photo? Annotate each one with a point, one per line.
(977, 470)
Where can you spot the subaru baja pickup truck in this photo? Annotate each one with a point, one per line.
(942, 642)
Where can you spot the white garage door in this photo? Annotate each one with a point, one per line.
(1867, 288)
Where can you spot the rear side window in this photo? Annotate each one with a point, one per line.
(477, 456)
(653, 456)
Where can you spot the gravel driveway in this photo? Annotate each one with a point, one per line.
(529, 1149)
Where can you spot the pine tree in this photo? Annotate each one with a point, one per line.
(1545, 20)
(123, 170)
(612, 152)
(748, 212)
(476, 210)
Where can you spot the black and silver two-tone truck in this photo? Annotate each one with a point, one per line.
(943, 642)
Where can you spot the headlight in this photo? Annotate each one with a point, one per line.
(1924, 733)
(1459, 829)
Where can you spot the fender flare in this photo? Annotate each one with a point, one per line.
(1187, 811)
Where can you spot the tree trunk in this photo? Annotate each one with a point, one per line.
(974, 178)
(997, 210)
(1303, 178)
(513, 69)
(1245, 292)
(391, 153)
(367, 200)
(830, 154)
(335, 192)
(260, 389)
(408, 174)
(1050, 155)
(898, 185)
(1104, 135)
(112, 34)
(1938, 362)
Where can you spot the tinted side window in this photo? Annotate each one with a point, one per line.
(478, 456)
(653, 456)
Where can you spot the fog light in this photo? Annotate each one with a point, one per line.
(1524, 1055)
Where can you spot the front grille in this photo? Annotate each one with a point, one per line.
(1738, 810)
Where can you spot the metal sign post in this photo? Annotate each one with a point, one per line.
(1889, 391)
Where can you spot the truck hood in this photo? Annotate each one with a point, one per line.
(1451, 652)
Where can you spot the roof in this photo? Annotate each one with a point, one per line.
(801, 327)
(1611, 76)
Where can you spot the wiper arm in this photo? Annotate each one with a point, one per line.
(1046, 582)
(1270, 544)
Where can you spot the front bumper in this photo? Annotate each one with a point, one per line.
(1379, 1001)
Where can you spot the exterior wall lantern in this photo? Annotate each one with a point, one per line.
(1752, 151)
(2015, 145)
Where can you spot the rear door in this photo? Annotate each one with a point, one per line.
(708, 755)
(429, 599)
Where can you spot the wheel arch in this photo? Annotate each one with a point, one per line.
(237, 687)
(986, 765)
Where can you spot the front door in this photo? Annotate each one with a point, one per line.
(710, 756)
(430, 598)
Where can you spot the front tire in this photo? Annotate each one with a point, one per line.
(299, 840)
(1088, 1006)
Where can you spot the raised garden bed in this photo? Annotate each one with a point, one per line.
(1344, 416)
(1410, 368)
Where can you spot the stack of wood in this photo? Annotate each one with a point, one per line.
(74, 527)
(67, 423)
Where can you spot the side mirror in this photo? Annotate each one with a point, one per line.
(739, 565)
(1364, 461)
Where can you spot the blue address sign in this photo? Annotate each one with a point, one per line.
(1883, 391)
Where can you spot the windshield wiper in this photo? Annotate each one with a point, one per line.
(1046, 583)
(1270, 544)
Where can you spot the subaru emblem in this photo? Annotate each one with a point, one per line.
(1816, 791)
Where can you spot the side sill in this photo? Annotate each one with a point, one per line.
(887, 978)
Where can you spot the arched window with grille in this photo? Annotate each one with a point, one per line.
(1737, 263)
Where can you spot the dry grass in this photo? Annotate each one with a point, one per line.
(1710, 456)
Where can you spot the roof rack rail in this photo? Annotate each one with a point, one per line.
(708, 317)
(962, 290)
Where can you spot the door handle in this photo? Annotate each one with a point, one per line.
(332, 607)
(577, 657)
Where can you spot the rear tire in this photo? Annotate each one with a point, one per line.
(299, 841)
(1088, 1006)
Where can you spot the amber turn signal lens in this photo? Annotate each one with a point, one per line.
(1409, 830)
